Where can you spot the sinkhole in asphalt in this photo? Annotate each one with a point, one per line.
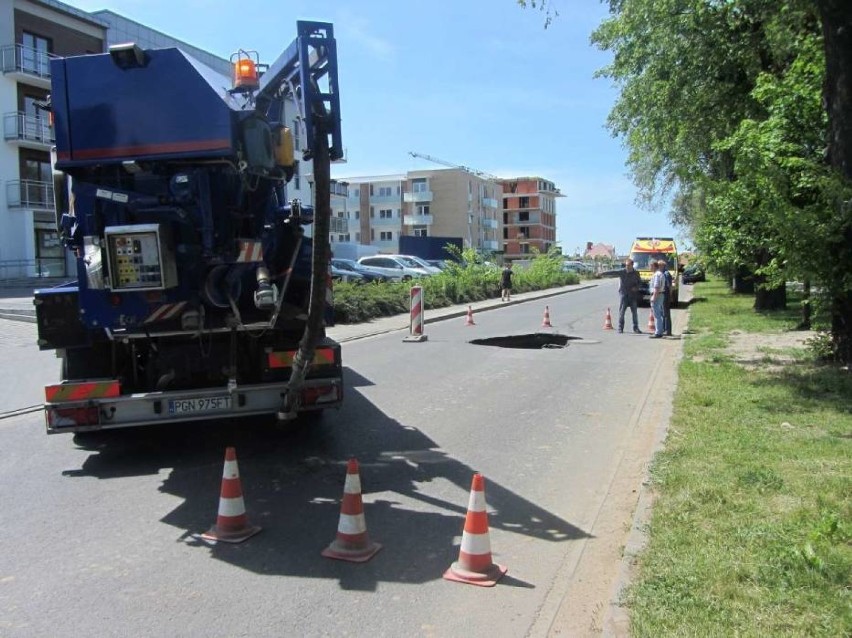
(535, 341)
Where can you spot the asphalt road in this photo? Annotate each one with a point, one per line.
(103, 539)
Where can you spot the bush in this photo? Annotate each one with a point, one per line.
(467, 280)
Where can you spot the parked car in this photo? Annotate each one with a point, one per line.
(692, 273)
(578, 267)
(342, 274)
(443, 264)
(614, 271)
(394, 266)
(434, 270)
(368, 274)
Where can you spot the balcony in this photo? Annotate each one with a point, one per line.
(418, 220)
(489, 223)
(338, 225)
(489, 202)
(28, 130)
(384, 199)
(418, 197)
(490, 244)
(29, 194)
(339, 189)
(26, 64)
(385, 221)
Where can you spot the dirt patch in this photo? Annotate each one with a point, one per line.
(767, 351)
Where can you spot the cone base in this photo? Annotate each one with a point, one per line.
(487, 578)
(360, 555)
(415, 338)
(214, 534)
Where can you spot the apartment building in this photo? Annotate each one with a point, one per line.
(31, 32)
(449, 202)
(529, 216)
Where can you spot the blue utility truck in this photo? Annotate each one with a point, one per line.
(198, 294)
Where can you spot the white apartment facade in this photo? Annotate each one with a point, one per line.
(449, 202)
(31, 33)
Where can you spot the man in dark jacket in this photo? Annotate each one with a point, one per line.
(667, 298)
(628, 290)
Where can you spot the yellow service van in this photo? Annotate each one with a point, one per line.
(648, 249)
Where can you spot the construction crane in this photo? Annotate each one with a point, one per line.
(468, 169)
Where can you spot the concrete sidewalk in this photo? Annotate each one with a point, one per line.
(17, 305)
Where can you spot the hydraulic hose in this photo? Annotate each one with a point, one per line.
(319, 274)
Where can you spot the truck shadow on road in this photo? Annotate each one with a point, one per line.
(292, 484)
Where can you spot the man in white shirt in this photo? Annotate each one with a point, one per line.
(657, 288)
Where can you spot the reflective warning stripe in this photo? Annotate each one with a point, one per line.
(166, 311)
(81, 391)
(250, 251)
(322, 356)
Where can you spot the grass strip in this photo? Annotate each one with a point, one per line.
(751, 531)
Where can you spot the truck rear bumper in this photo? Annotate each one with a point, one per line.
(186, 406)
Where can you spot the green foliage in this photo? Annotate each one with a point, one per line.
(750, 533)
(721, 107)
(470, 278)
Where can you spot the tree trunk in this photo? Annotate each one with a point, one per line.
(742, 283)
(770, 298)
(836, 18)
(805, 323)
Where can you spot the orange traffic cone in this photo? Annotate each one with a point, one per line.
(608, 321)
(469, 321)
(652, 325)
(545, 323)
(352, 542)
(231, 523)
(474, 565)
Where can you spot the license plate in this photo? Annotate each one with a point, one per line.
(199, 405)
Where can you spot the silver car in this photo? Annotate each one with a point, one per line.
(395, 266)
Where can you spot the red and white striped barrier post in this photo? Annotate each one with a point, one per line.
(415, 330)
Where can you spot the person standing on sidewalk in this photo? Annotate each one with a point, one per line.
(656, 287)
(667, 298)
(628, 290)
(506, 282)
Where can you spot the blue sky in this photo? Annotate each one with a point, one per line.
(479, 83)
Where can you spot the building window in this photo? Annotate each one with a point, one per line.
(34, 55)
(372, 235)
(386, 236)
(525, 249)
(385, 213)
(419, 186)
(524, 217)
(357, 236)
(421, 231)
(357, 214)
(356, 192)
(385, 191)
(37, 171)
(524, 202)
(524, 230)
(423, 209)
(372, 213)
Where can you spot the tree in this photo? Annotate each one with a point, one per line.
(720, 108)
